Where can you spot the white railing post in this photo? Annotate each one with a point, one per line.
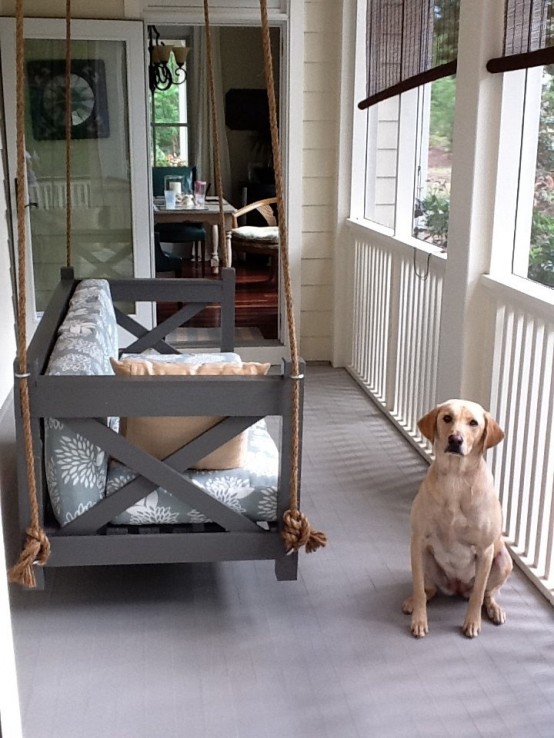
(475, 147)
(392, 335)
(522, 400)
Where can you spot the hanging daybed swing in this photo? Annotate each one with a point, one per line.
(68, 416)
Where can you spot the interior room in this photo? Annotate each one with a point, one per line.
(181, 136)
(210, 449)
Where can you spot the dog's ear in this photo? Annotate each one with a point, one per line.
(428, 424)
(493, 432)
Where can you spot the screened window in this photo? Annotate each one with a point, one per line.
(435, 121)
(409, 162)
(381, 162)
(170, 134)
(528, 149)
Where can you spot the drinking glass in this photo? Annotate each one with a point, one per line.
(199, 193)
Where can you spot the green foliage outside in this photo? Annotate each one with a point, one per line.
(432, 211)
(445, 30)
(541, 253)
(166, 143)
(443, 97)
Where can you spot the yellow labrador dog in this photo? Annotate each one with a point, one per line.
(456, 518)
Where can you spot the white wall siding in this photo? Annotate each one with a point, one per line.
(230, 12)
(380, 175)
(320, 138)
(9, 698)
(7, 332)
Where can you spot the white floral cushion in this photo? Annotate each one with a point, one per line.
(76, 469)
(91, 313)
(268, 234)
(250, 490)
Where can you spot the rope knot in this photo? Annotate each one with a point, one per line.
(297, 532)
(36, 550)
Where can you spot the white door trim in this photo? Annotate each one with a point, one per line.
(131, 33)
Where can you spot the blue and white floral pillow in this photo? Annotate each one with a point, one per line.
(250, 490)
(76, 469)
(91, 313)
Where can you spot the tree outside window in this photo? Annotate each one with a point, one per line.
(541, 252)
(170, 125)
(434, 167)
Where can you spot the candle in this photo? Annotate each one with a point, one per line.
(176, 187)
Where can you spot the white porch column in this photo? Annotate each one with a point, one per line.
(463, 336)
(351, 172)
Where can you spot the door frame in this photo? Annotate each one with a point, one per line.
(130, 33)
(291, 107)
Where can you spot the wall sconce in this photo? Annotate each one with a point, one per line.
(160, 76)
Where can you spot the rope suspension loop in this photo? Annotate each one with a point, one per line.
(68, 122)
(36, 548)
(297, 531)
(215, 135)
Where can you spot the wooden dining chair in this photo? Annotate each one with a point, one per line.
(264, 240)
(185, 232)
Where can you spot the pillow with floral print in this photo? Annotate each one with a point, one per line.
(76, 469)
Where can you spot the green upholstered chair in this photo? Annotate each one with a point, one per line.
(194, 233)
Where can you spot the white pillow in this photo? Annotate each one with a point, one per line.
(270, 234)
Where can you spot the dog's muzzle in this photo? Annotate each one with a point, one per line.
(455, 443)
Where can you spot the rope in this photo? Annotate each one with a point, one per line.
(297, 531)
(68, 122)
(36, 548)
(215, 135)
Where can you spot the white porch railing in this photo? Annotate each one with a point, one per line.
(522, 400)
(395, 354)
(396, 309)
(51, 193)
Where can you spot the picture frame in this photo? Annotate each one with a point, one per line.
(89, 100)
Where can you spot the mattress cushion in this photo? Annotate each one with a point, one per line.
(161, 436)
(76, 469)
(250, 490)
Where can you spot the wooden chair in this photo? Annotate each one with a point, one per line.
(263, 240)
(166, 263)
(193, 233)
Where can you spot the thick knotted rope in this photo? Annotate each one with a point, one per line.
(297, 531)
(35, 551)
(36, 548)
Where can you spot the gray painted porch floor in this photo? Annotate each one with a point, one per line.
(205, 650)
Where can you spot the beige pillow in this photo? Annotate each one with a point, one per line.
(162, 436)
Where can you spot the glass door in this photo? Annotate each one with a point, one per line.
(111, 218)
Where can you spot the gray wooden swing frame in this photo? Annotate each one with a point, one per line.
(83, 402)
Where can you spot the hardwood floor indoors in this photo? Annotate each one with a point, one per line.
(224, 650)
(256, 301)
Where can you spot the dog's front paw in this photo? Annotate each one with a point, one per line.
(496, 614)
(471, 627)
(419, 628)
(419, 625)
